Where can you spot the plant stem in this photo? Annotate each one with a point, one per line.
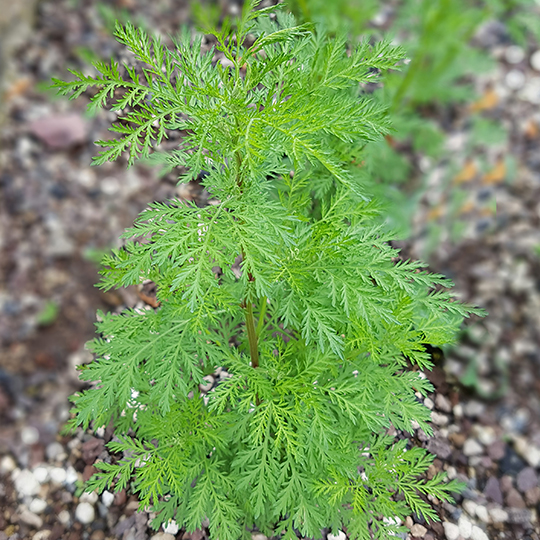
(252, 336)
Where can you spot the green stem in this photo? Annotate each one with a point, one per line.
(262, 313)
(252, 336)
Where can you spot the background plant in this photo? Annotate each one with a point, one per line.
(318, 329)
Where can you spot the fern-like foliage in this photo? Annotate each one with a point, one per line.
(318, 331)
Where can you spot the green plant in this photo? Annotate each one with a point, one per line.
(320, 331)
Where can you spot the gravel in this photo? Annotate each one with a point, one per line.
(85, 513)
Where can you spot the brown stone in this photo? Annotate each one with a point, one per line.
(514, 499)
(89, 470)
(496, 450)
(91, 450)
(532, 496)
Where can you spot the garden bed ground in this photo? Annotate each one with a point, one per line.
(57, 212)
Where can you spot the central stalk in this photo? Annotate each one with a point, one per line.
(252, 335)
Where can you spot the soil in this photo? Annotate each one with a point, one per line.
(57, 213)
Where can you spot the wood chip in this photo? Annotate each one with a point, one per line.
(467, 173)
(496, 175)
(488, 101)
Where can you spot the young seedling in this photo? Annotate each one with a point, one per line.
(320, 332)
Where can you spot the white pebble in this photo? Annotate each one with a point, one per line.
(514, 54)
(64, 517)
(474, 408)
(418, 531)
(443, 403)
(7, 465)
(485, 434)
(339, 536)
(535, 60)
(526, 450)
(514, 79)
(451, 473)
(472, 448)
(162, 536)
(531, 91)
(171, 528)
(458, 410)
(482, 513)
(478, 534)
(55, 452)
(71, 476)
(42, 535)
(58, 475)
(429, 403)
(107, 498)
(451, 530)
(26, 484)
(31, 519)
(258, 536)
(209, 380)
(41, 474)
(465, 526)
(439, 419)
(85, 513)
(470, 507)
(498, 515)
(29, 435)
(37, 506)
(91, 498)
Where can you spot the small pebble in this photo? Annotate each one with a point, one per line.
(37, 506)
(470, 507)
(26, 484)
(7, 465)
(107, 498)
(532, 496)
(482, 513)
(339, 536)
(496, 450)
(492, 491)
(474, 408)
(259, 536)
(29, 435)
(31, 519)
(417, 530)
(498, 515)
(526, 450)
(443, 403)
(465, 526)
(526, 479)
(58, 475)
(64, 517)
(485, 434)
(41, 474)
(162, 536)
(478, 534)
(42, 535)
(514, 79)
(429, 403)
(514, 499)
(451, 530)
(535, 60)
(458, 410)
(439, 419)
(472, 448)
(55, 452)
(85, 513)
(92, 498)
(514, 54)
(171, 528)
(208, 383)
(71, 476)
